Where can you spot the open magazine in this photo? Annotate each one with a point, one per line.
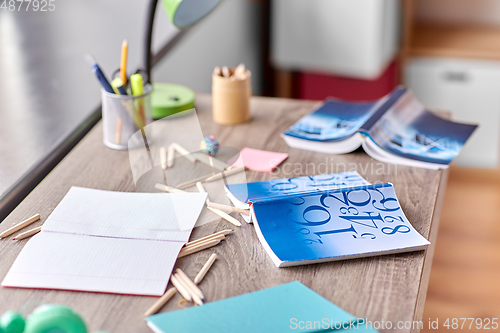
(325, 218)
(395, 129)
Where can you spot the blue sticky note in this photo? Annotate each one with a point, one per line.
(289, 307)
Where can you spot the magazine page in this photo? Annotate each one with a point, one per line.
(341, 224)
(335, 120)
(277, 188)
(408, 130)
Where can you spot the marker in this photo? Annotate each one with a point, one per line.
(123, 62)
(137, 90)
(118, 86)
(99, 73)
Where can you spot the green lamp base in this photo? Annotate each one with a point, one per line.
(168, 99)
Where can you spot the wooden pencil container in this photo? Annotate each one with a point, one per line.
(231, 98)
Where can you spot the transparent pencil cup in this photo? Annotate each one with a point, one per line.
(122, 116)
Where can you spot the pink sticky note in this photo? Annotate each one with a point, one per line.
(258, 160)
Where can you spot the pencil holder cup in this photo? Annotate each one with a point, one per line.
(231, 98)
(123, 115)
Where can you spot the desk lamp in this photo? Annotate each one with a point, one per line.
(167, 99)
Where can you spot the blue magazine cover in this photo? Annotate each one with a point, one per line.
(408, 130)
(334, 121)
(396, 129)
(346, 223)
(337, 120)
(245, 192)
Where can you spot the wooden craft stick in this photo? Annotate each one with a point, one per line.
(196, 299)
(19, 226)
(225, 71)
(228, 208)
(201, 274)
(183, 152)
(202, 241)
(27, 233)
(160, 302)
(225, 216)
(171, 156)
(228, 172)
(118, 130)
(169, 189)
(192, 182)
(190, 283)
(202, 246)
(214, 235)
(180, 288)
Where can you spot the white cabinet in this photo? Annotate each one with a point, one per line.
(354, 38)
(470, 89)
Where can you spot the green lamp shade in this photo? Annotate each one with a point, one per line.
(168, 99)
(185, 13)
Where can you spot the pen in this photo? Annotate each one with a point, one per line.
(123, 62)
(99, 73)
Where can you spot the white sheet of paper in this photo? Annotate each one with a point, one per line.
(111, 242)
(156, 216)
(53, 260)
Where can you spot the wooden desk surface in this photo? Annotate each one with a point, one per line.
(389, 288)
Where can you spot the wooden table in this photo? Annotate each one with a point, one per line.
(389, 288)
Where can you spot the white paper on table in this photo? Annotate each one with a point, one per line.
(110, 242)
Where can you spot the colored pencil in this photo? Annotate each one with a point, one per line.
(199, 277)
(19, 226)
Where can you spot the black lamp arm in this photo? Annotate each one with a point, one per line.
(149, 59)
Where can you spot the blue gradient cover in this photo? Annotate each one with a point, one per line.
(337, 120)
(277, 188)
(333, 225)
(409, 130)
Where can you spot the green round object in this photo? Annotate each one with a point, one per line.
(12, 322)
(168, 99)
(54, 318)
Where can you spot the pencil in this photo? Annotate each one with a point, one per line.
(225, 216)
(229, 172)
(193, 182)
(214, 235)
(228, 208)
(163, 158)
(239, 72)
(190, 283)
(118, 130)
(210, 161)
(199, 277)
(200, 187)
(183, 152)
(204, 240)
(163, 162)
(171, 156)
(160, 302)
(180, 288)
(225, 72)
(199, 247)
(27, 233)
(123, 62)
(19, 226)
(169, 189)
(195, 298)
